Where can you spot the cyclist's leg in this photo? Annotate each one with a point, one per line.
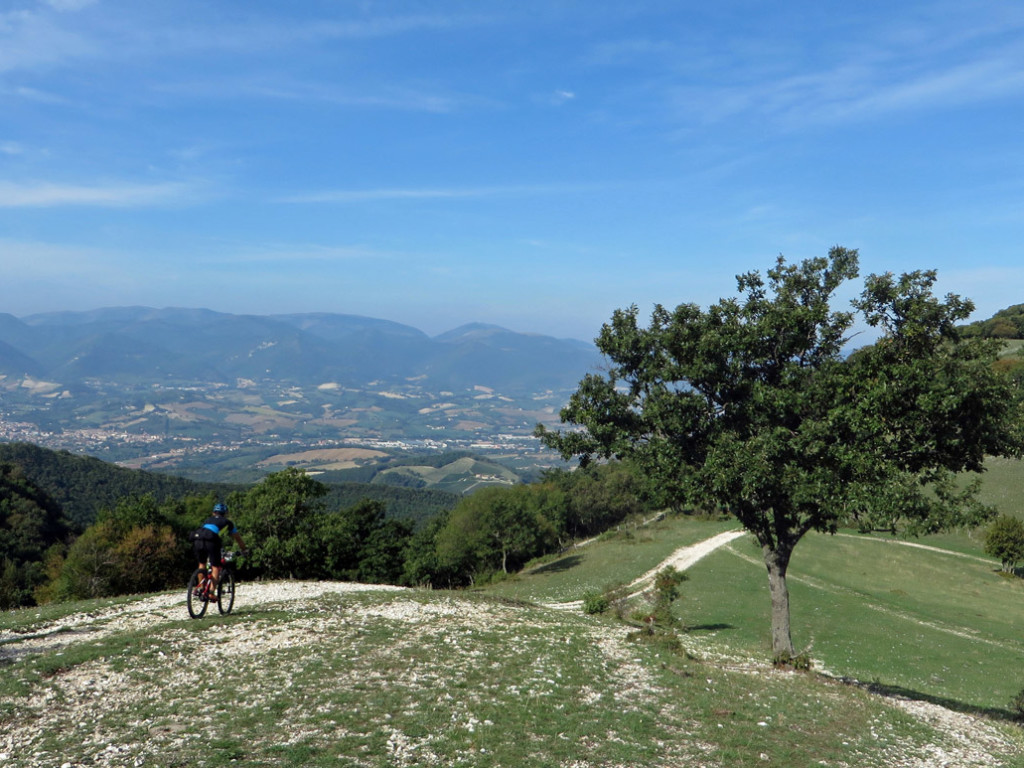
(199, 549)
(214, 548)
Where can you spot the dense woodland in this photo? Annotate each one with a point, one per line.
(131, 534)
(83, 485)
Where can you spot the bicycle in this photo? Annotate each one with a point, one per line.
(201, 589)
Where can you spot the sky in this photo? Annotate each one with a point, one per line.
(531, 164)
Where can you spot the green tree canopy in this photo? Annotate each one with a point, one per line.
(752, 406)
(31, 522)
(277, 518)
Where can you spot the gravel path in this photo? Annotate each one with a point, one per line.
(127, 617)
(686, 557)
(681, 559)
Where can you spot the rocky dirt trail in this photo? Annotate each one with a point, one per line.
(127, 617)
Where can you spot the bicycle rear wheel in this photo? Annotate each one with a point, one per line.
(196, 604)
(226, 592)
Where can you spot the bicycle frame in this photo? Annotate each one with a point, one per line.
(202, 590)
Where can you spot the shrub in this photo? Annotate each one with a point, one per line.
(1005, 541)
(595, 602)
(1017, 704)
(801, 662)
(664, 594)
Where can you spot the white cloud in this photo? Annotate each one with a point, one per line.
(285, 253)
(30, 40)
(70, 5)
(46, 36)
(413, 100)
(904, 63)
(865, 94)
(437, 193)
(44, 195)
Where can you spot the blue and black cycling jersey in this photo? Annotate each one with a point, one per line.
(216, 523)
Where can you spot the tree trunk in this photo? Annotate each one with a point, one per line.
(777, 562)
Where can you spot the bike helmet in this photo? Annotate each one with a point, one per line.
(220, 509)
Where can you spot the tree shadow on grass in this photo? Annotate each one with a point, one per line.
(709, 627)
(559, 566)
(897, 691)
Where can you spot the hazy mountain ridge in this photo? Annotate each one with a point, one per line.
(138, 343)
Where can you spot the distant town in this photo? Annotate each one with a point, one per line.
(185, 428)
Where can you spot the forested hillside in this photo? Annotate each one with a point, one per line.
(32, 523)
(82, 485)
(131, 531)
(76, 526)
(1005, 324)
(414, 505)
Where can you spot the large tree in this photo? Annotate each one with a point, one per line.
(754, 406)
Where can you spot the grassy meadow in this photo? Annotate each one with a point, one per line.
(502, 676)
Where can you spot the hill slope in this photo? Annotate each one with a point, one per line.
(343, 674)
(84, 485)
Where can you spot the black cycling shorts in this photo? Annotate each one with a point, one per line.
(207, 549)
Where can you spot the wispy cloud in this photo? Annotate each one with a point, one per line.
(951, 58)
(275, 254)
(866, 93)
(70, 5)
(46, 195)
(437, 193)
(384, 97)
(33, 39)
(48, 36)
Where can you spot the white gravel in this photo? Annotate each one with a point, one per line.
(168, 605)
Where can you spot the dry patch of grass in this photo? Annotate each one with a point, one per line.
(344, 456)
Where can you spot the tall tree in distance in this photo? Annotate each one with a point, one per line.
(753, 406)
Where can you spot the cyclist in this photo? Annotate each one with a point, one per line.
(206, 540)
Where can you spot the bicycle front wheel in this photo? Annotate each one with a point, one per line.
(196, 603)
(226, 592)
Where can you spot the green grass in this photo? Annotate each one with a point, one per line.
(1001, 485)
(449, 680)
(619, 557)
(935, 626)
(494, 678)
(941, 626)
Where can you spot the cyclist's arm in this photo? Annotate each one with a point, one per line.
(238, 539)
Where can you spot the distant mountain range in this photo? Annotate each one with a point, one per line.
(139, 344)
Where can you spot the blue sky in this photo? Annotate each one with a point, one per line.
(530, 164)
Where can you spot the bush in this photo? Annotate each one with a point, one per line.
(664, 594)
(1017, 704)
(801, 662)
(595, 602)
(1005, 541)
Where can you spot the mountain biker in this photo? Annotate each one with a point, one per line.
(206, 541)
